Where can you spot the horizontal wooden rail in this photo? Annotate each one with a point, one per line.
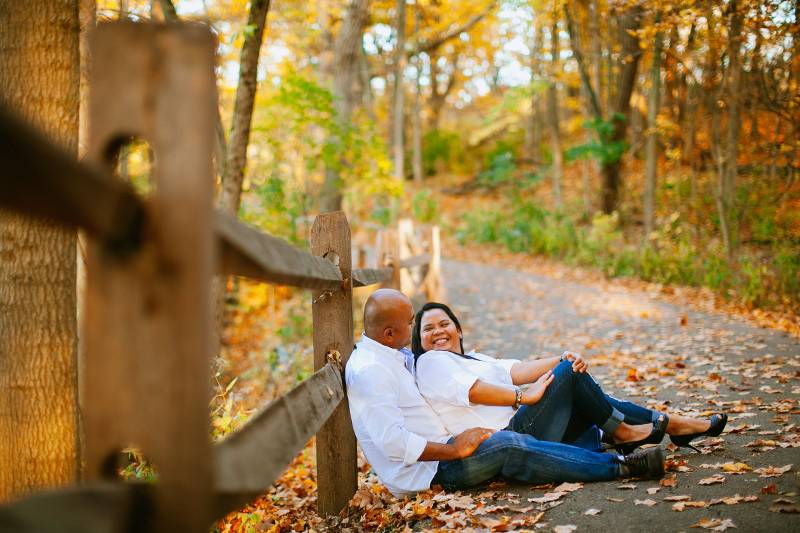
(40, 178)
(249, 460)
(246, 251)
(369, 276)
(415, 261)
(99, 507)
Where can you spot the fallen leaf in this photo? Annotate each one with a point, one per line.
(733, 500)
(782, 508)
(715, 524)
(671, 481)
(615, 500)
(736, 468)
(648, 502)
(626, 486)
(770, 489)
(718, 478)
(565, 529)
(678, 498)
(592, 512)
(772, 471)
(568, 487)
(548, 497)
(680, 506)
(653, 490)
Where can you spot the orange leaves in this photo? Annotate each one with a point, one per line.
(669, 481)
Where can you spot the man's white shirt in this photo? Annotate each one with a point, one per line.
(392, 421)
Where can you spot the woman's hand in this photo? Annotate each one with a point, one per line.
(579, 364)
(536, 390)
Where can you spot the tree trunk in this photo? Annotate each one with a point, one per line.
(398, 148)
(39, 427)
(596, 49)
(728, 186)
(344, 65)
(533, 138)
(233, 171)
(88, 19)
(557, 168)
(651, 151)
(629, 23)
(416, 116)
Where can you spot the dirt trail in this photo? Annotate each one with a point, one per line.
(657, 354)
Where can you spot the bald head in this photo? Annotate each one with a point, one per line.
(388, 318)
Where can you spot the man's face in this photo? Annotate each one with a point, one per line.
(404, 326)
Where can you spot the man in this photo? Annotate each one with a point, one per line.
(409, 448)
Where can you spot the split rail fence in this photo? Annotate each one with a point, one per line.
(148, 320)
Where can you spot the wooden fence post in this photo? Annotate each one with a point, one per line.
(405, 236)
(433, 278)
(387, 246)
(148, 320)
(337, 469)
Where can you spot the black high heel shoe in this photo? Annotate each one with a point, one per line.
(718, 423)
(655, 436)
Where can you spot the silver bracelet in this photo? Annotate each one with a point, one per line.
(518, 399)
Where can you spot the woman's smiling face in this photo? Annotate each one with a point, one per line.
(438, 332)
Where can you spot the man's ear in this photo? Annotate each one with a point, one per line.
(388, 333)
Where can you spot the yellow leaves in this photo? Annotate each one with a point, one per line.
(736, 468)
(680, 506)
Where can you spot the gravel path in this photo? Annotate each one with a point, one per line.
(656, 354)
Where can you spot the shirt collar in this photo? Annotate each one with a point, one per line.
(377, 347)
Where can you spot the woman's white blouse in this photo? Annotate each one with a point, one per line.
(444, 379)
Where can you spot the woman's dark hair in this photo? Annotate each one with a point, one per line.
(416, 336)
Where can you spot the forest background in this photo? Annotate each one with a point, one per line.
(652, 140)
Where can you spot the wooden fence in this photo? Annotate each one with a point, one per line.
(148, 318)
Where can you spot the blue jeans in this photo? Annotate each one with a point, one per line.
(573, 407)
(523, 458)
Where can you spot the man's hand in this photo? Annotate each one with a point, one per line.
(468, 441)
(579, 364)
(536, 390)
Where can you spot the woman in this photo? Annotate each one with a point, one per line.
(563, 404)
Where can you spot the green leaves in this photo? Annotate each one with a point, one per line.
(603, 148)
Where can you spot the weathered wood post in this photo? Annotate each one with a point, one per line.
(148, 319)
(388, 256)
(405, 237)
(332, 311)
(433, 279)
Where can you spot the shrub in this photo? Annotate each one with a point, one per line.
(424, 207)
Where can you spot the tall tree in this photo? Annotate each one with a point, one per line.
(244, 101)
(398, 148)
(726, 188)
(346, 90)
(557, 168)
(651, 150)
(619, 110)
(39, 429)
(416, 115)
